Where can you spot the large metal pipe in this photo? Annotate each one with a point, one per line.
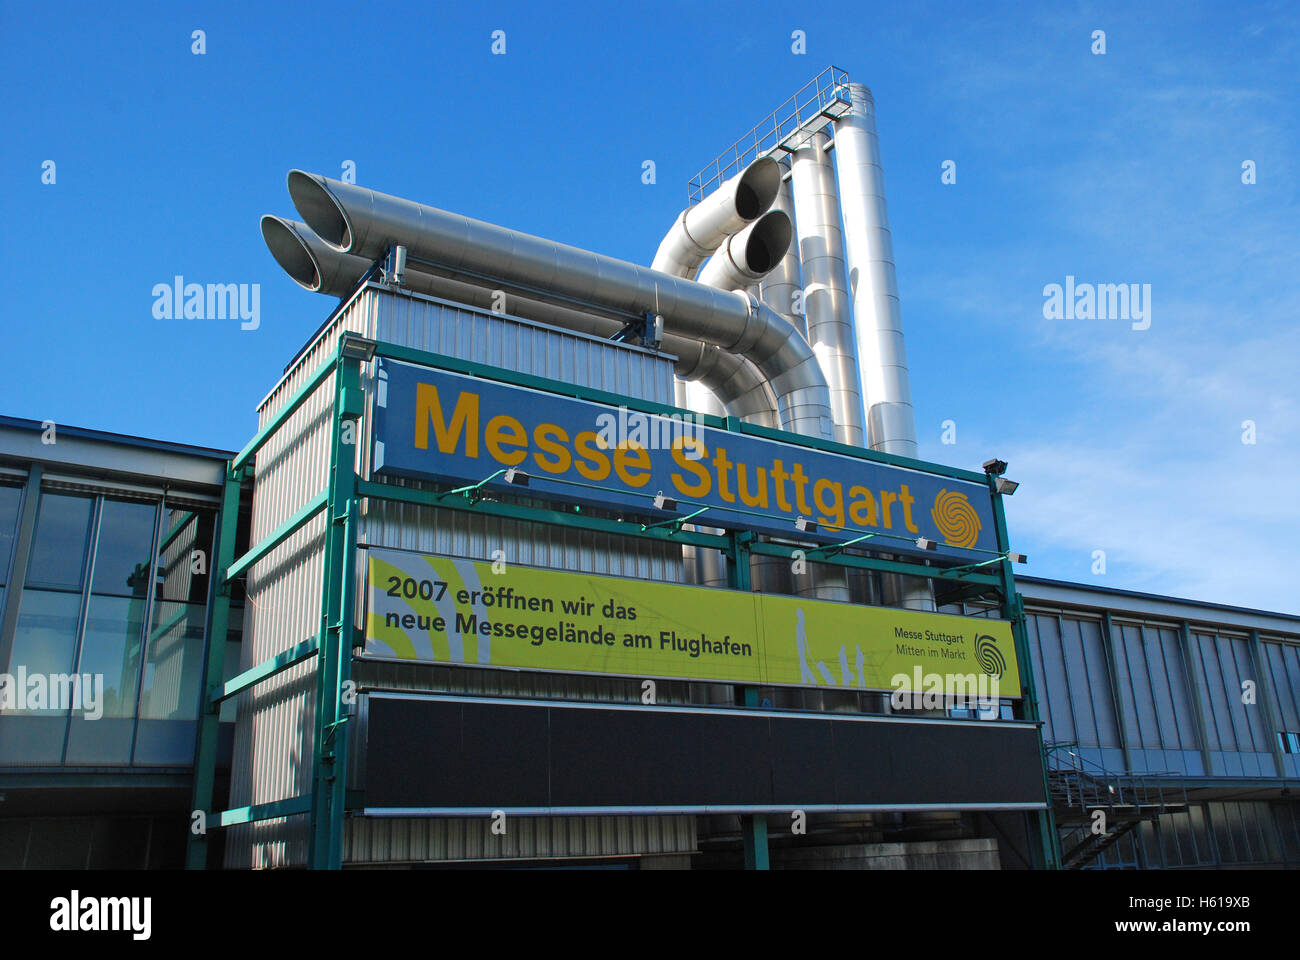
(708, 372)
(826, 298)
(697, 234)
(306, 258)
(891, 423)
(736, 384)
(355, 220)
(704, 566)
(744, 259)
(750, 255)
(741, 263)
(701, 229)
(882, 358)
(317, 267)
(782, 289)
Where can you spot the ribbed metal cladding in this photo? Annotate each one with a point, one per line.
(826, 296)
(273, 728)
(273, 733)
(381, 840)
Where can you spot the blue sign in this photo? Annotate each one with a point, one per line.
(435, 425)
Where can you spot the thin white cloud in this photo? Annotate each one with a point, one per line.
(1131, 441)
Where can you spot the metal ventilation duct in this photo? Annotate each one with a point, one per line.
(826, 299)
(780, 287)
(750, 255)
(696, 235)
(317, 267)
(882, 359)
(891, 423)
(701, 229)
(363, 222)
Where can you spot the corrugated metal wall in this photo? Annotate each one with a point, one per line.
(1163, 683)
(379, 840)
(274, 730)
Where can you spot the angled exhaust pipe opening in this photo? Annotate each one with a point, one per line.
(699, 230)
(321, 209)
(291, 252)
(768, 240)
(316, 267)
(756, 188)
(491, 254)
(312, 263)
(750, 255)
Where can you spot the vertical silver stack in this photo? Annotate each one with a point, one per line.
(841, 270)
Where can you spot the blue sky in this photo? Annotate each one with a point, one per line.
(1119, 168)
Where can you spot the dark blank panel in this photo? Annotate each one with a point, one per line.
(447, 753)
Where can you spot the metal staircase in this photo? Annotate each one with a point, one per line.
(1079, 787)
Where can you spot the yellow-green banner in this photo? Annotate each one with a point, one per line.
(451, 610)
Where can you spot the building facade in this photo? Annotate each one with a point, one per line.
(105, 549)
(1175, 720)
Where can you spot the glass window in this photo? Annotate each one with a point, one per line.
(114, 631)
(123, 548)
(9, 500)
(174, 670)
(111, 648)
(1282, 671)
(142, 621)
(46, 634)
(59, 547)
(185, 555)
(44, 645)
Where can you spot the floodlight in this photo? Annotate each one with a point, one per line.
(357, 348)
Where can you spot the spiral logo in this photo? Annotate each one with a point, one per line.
(989, 657)
(956, 519)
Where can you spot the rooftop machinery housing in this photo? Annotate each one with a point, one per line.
(791, 325)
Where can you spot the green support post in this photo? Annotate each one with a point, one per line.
(754, 827)
(205, 757)
(1049, 851)
(738, 575)
(338, 601)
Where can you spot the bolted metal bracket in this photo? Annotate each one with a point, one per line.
(648, 331)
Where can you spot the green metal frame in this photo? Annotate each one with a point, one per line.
(1048, 853)
(332, 648)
